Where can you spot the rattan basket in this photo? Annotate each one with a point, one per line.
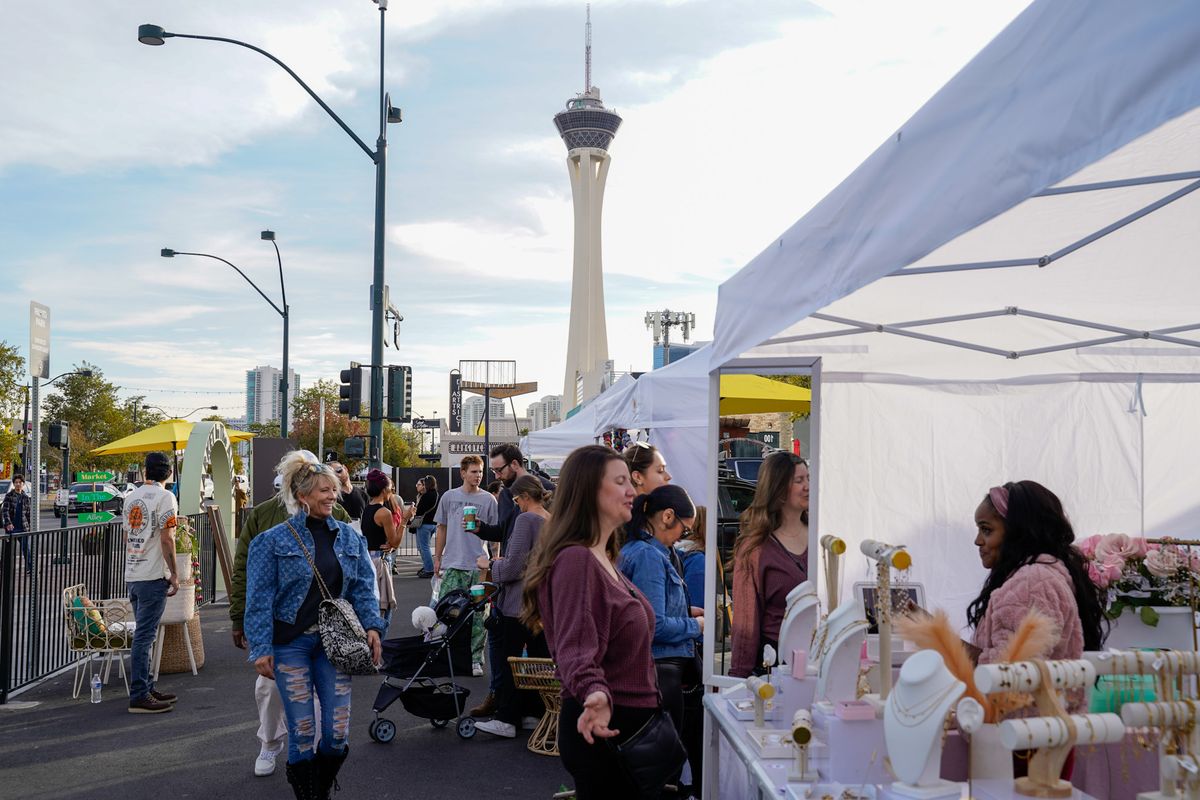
(174, 654)
(537, 674)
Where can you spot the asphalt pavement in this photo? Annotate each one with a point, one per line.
(52, 746)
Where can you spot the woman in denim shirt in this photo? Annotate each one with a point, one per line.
(282, 598)
(649, 560)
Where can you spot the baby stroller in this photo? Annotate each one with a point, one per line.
(411, 666)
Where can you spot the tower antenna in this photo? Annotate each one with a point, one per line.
(587, 53)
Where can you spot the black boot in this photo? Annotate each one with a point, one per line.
(327, 770)
(304, 776)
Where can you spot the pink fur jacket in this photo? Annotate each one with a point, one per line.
(1044, 585)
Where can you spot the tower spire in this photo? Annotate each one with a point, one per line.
(587, 53)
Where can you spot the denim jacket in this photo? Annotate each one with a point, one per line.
(278, 577)
(646, 563)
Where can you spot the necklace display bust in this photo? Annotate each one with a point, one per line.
(837, 650)
(799, 621)
(913, 722)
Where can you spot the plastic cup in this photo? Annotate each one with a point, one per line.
(469, 513)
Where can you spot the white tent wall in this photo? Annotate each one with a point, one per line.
(685, 451)
(559, 440)
(908, 464)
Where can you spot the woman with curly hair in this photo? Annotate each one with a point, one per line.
(770, 558)
(287, 568)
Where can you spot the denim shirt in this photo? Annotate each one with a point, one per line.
(645, 561)
(278, 577)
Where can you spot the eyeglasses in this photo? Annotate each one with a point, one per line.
(687, 533)
(502, 467)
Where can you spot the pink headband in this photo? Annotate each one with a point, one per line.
(999, 497)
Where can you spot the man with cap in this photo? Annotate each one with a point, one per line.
(271, 725)
(350, 497)
(149, 522)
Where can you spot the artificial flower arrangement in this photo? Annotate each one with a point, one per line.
(1141, 575)
(187, 542)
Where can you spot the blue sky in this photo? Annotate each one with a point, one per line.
(738, 117)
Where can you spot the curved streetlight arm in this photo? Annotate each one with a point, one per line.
(371, 154)
(282, 288)
(278, 310)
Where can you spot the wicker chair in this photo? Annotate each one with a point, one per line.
(538, 674)
(111, 636)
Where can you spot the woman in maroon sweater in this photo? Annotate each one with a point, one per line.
(770, 558)
(597, 624)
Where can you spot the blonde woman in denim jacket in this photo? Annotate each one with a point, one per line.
(282, 598)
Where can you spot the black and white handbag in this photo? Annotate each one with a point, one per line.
(342, 635)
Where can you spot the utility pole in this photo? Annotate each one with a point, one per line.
(321, 428)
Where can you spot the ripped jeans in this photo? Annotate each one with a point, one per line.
(302, 669)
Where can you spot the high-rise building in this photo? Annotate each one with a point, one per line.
(587, 128)
(545, 412)
(472, 413)
(669, 354)
(264, 393)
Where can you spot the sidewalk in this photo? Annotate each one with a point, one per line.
(63, 748)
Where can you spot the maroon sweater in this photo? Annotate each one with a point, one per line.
(760, 589)
(599, 631)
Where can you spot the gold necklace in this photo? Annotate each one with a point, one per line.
(918, 712)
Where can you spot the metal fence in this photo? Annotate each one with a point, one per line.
(36, 567)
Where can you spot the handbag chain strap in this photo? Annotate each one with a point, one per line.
(316, 572)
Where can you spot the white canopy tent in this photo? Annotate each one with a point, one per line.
(559, 440)
(1038, 218)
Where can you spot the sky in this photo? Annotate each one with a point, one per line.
(739, 116)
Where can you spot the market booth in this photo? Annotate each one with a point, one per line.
(1008, 288)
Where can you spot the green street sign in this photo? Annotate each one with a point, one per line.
(96, 476)
(94, 497)
(96, 516)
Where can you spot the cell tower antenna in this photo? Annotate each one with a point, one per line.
(587, 53)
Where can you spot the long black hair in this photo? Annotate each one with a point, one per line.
(1036, 525)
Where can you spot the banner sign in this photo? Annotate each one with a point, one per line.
(455, 402)
(39, 340)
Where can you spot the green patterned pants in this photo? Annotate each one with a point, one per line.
(461, 579)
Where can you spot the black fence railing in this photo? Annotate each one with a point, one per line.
(36, 567)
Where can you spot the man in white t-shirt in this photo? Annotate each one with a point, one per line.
(149, 518)
(455, 550)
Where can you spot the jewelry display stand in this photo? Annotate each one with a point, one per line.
(1054, 732)
(802, 738)
(761, 690)
(832, 549)
(1179, 743)
(886, 557)
(838, 648)
(799, 621)
(914, 721)
(986, 757)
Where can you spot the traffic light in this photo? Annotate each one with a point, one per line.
(58, 435)
(350, 391)
(399, 394)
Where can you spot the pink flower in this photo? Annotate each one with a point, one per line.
(1088, 546)
(1098, 575)
(1112, 571)
(1163, 563)
(1119, 546)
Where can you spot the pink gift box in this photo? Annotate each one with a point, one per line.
(799, 663)
(854, 710)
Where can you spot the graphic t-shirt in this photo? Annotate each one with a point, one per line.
(148, 510)
(463, 548)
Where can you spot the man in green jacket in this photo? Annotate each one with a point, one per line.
(271, 725)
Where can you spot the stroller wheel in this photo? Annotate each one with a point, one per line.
(382, 730)
(466, 727)
(439, 723)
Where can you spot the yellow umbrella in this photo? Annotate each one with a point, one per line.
(754, 394)
(171, 434)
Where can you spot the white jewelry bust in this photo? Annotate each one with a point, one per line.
(839, 646)
(800, 622)
(913, 722)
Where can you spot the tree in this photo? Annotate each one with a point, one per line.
(401, 446)
(89, 404)
(12, 400)
(306, 419)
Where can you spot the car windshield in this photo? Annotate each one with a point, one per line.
(747, 470)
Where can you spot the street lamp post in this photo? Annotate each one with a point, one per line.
(33, 445)
(156, 35)
(285, 382)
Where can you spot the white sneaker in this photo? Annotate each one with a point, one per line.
(477, 670)
(264, 765)
(497, 728)
(529, 723)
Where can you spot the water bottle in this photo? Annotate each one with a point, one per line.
(96, 686)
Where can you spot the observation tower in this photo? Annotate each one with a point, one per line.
(587, 128)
